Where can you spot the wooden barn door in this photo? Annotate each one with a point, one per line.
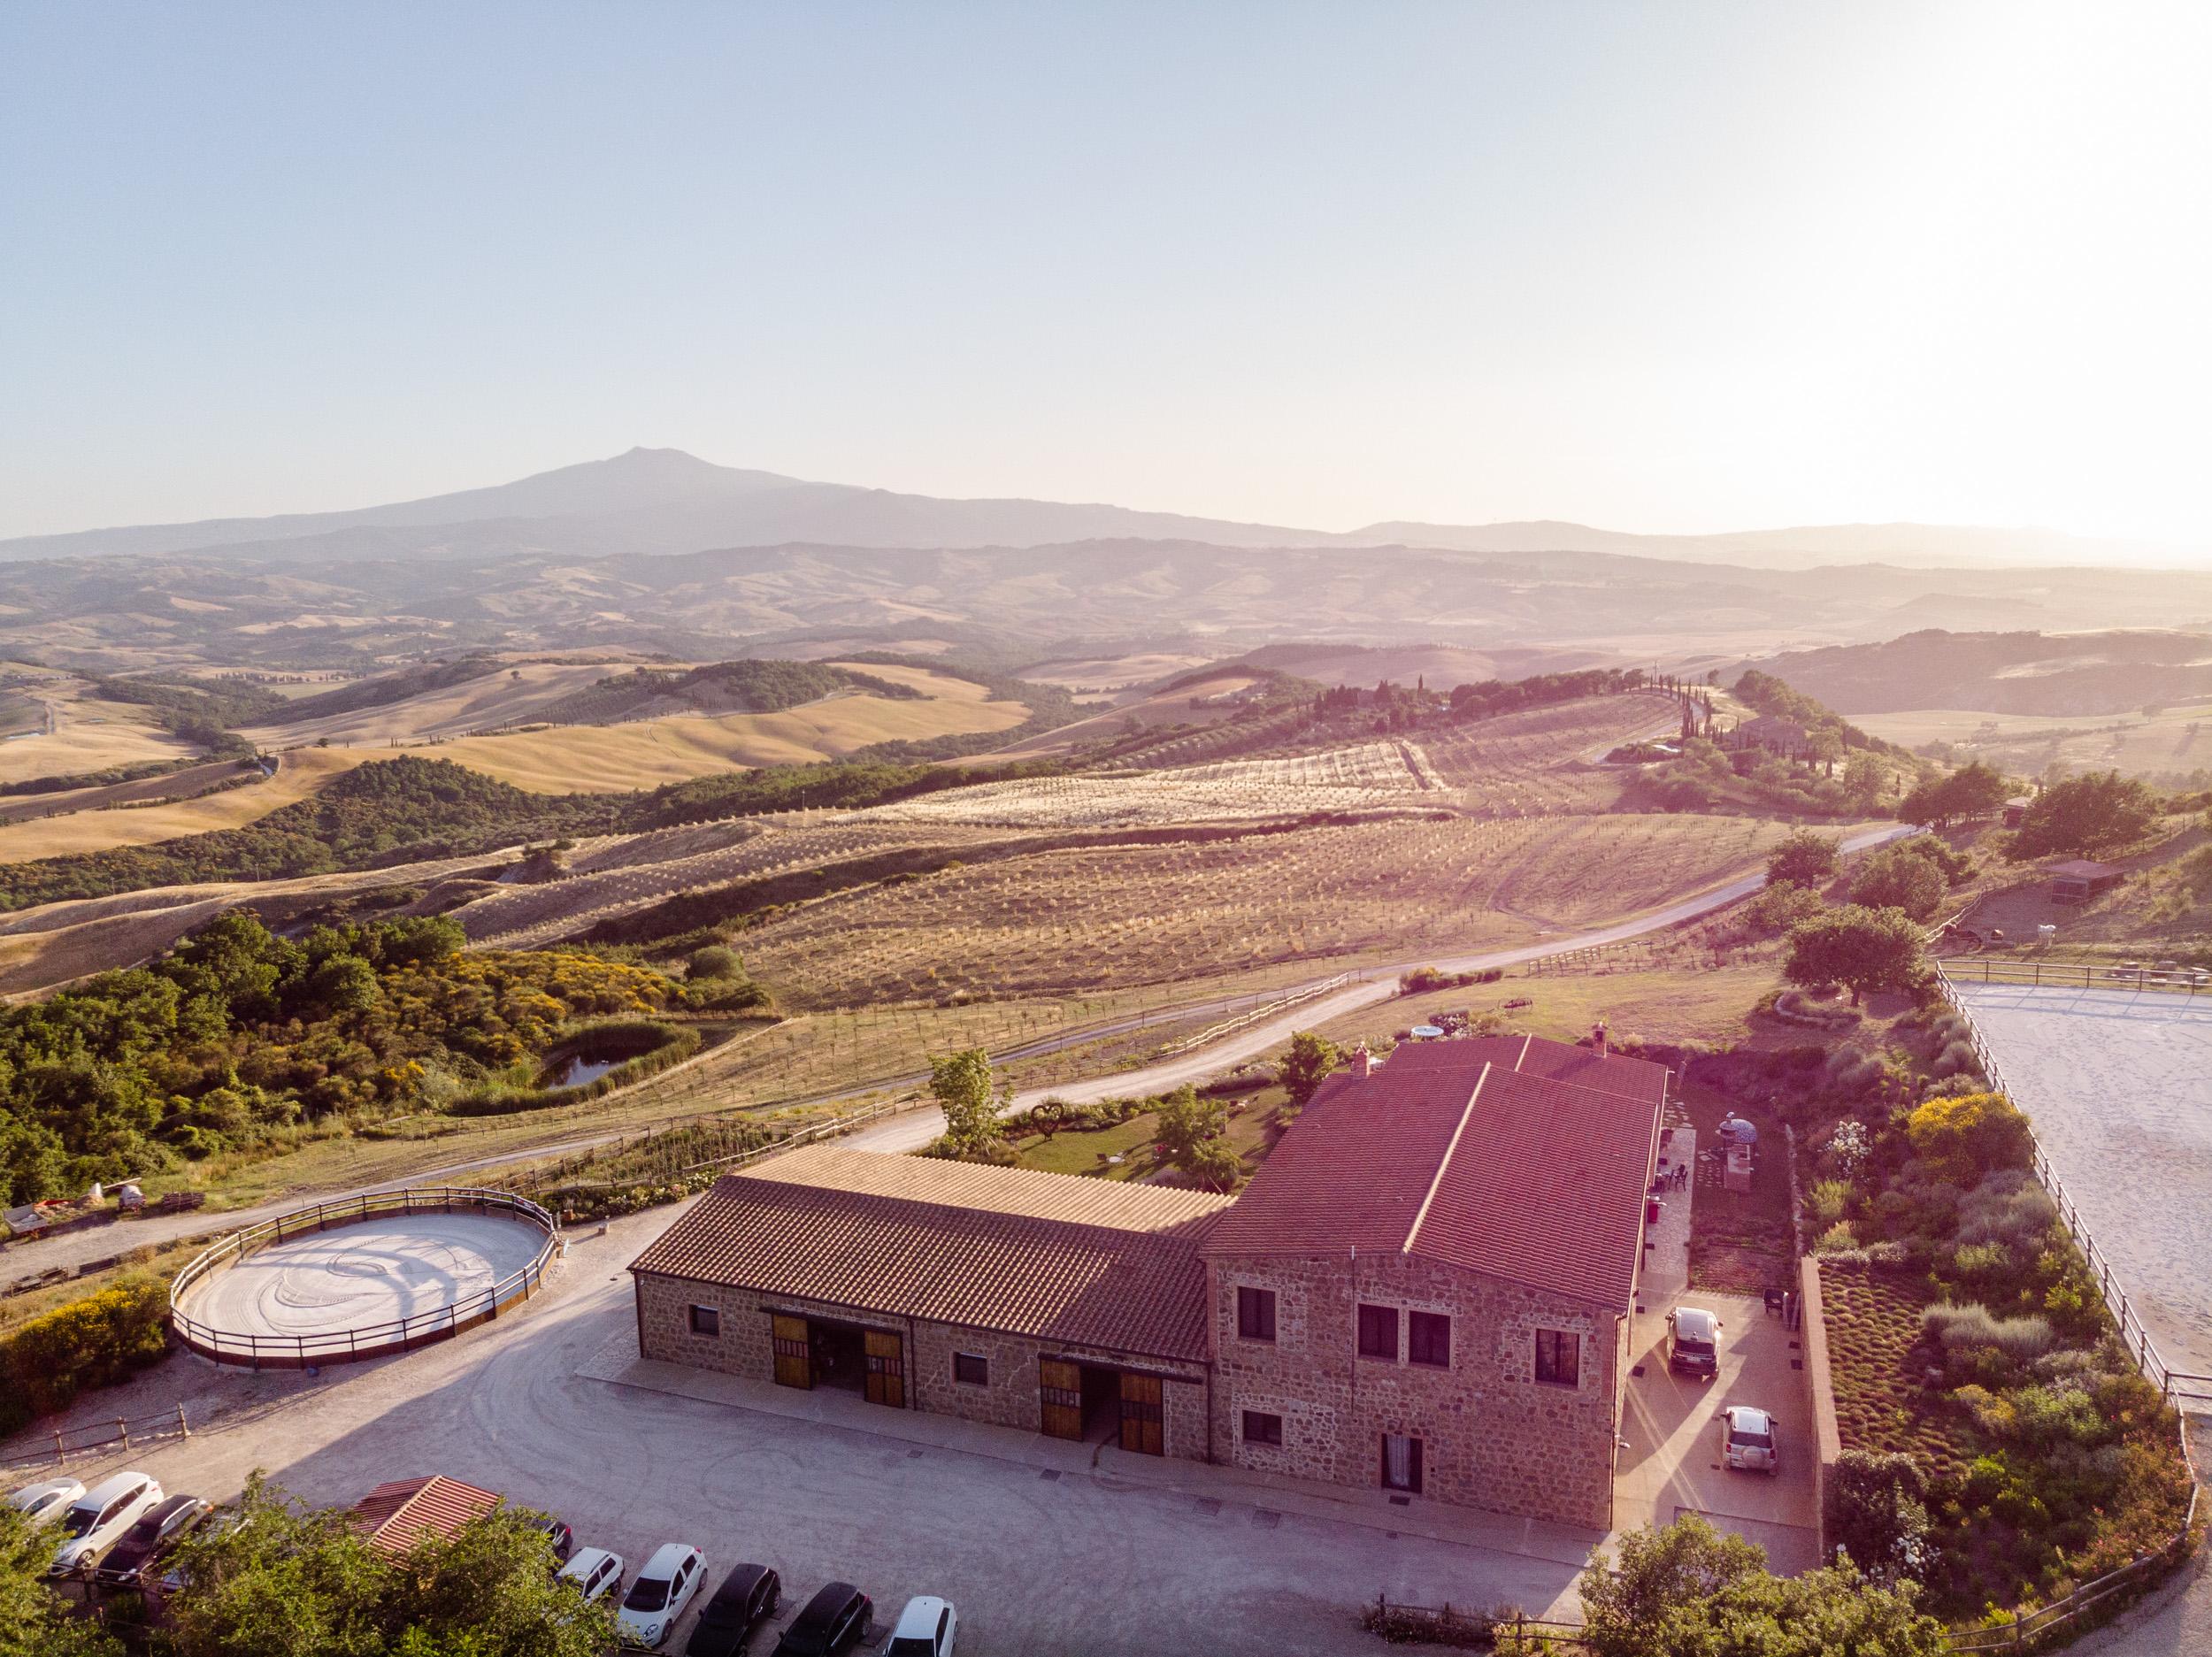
(1141, 1414)
(886, 1368)
(794, 1365)
(1060, 1387)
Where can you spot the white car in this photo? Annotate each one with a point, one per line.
(594, 1571)
(97, 1520)
(42, 1504)
(1747, 1439)
(658, 1596)
(925, 1629)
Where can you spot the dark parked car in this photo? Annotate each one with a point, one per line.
(148, 1539)
(749, 1596)
(832, 1622)
(563, 1539)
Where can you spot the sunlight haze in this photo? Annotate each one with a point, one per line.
(1677, 270)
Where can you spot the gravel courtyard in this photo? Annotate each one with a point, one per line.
(2119, 1084)
(1082, 1562)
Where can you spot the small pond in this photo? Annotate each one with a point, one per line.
(583, 1062)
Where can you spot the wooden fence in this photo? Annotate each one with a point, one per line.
(2077, 975)
(344, 1346)
(54, 1449)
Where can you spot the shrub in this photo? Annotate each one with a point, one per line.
(1827, 1199)
(1878, 1512)
(1966, 1137)
(716, 960)
(97, 1341)
(2023, 1340)
(1836, 1239)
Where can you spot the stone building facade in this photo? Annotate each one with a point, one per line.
(1425, 1287)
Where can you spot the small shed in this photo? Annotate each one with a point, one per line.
(2077, 880)
(394, 1517)
(2016, 809)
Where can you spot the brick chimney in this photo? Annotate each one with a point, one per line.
(1362, 1061)
(1597, 1037)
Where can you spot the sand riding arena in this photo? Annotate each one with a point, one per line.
(363, 1277)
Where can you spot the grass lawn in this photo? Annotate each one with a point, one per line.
(1659, 1004)
(1251, 1133)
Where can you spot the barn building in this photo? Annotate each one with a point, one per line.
(1426, 1286)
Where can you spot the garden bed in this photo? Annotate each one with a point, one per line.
(1884, 1401)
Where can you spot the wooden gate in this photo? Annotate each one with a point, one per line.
(1060, 1387)
(1141, 1414)
(886, 1368)
(794, 1363)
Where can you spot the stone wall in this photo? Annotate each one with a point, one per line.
(1493, 1435)
(1008, 1397)
(1827, 1437)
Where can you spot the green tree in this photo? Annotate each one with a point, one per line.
(1878, 1512)
(1896, 877)
(1803, 859)
(289, 1582)
(2087, 815)
(1860, 948)
(962, 1083)
(1215, 1166)
(1312, 1057)
(1690, 1591)
(1973, 790)
(33, 1621)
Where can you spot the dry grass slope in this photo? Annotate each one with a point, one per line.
(1091, 918)
(301, 773)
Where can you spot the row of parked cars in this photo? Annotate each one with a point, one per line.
(1749, 1442)
(115, 1533)
(836, 1620)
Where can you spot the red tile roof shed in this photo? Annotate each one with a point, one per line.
(1456, 1158)
(1133, 1290)
(397, 1516)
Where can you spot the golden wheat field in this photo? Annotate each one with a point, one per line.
(647, 752)
(1094, 917)
(53, 729)
(299, 774)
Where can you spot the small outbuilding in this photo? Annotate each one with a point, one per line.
(394, 1517)
(2078, 880)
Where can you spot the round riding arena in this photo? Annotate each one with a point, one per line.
(363, 1277)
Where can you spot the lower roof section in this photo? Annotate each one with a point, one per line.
(1063, 1259)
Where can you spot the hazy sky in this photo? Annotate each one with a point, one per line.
(1667, 267)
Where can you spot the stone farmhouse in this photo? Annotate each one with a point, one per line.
(1427, 1288)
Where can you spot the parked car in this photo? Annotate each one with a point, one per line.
(749, 1596)
(594, 1571)
(832, 1623)
(97, 1520)
(43, 1503)
(222, 1522)
(925, 1629)
(664, 1587)
(153, 1535)
(563, 1539)
(1693, 1342)
(1748, 1441)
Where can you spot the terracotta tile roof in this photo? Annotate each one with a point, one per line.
(1459, 1158)
(1533, 1056)
(909, 1237)
(397, 1516)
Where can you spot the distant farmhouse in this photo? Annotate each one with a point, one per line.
(1427, 1288)
(1773, 734)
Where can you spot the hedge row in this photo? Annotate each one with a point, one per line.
(95, 1342)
